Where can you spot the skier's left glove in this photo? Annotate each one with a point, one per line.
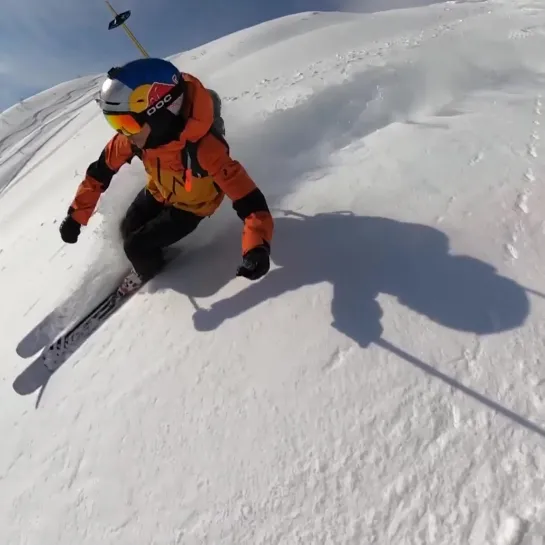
(255, 263)
(70, 229)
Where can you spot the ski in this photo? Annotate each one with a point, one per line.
(57, 352)
(68, 342)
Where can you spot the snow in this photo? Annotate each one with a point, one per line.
(383, 384)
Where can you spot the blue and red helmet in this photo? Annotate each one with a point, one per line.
(138, 92)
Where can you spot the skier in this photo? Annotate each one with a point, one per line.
(170, 121)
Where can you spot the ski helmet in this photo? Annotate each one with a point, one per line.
(139, 92)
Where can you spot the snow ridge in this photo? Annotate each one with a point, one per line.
(383, 383)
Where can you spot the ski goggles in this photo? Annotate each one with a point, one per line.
(124, 123)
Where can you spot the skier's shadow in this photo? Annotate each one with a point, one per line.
(364, 256)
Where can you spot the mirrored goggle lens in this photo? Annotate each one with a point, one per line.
(124, 123)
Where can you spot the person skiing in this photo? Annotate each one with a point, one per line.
(169, 120)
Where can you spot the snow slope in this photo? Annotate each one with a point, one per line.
(384, 384)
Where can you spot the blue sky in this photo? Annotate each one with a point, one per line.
(44, 42)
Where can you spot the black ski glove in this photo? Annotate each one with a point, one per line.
(255, 263)
(70, 230)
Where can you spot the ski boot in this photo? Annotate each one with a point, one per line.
(130, 283)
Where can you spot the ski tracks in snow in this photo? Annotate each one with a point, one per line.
(344, 64)
(19, 148)
(522, 204)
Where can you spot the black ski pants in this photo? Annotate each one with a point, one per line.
(148, 227)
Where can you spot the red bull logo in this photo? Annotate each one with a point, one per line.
(157, 91)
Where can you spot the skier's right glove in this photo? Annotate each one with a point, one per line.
(70, 229)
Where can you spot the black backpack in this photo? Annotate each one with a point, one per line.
(219, 125)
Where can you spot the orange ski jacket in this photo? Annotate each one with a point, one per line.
(192, 172)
